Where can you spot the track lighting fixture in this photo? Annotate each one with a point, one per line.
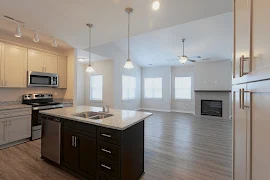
(36, 38)
(54, 43)
(18, 31)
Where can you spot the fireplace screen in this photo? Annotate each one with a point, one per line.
(211, 108)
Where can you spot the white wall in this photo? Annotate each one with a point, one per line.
(214, 75)
(119, 57)
(187, 106)
(81, 79)
(106, 69)
(158, 104)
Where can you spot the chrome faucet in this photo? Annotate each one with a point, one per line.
(106, 108)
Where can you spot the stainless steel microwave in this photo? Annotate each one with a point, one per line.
(40, 79)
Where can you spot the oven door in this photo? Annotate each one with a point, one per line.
(39, 79)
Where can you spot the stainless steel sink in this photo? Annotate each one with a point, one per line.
(93, 115)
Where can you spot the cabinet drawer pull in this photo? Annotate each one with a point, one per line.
(107, 167)
(107, 151)
(106, 135)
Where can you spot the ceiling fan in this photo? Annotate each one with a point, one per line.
(183, 59)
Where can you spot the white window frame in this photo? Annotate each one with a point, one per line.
(135, 87)
(90, 88)
(175, 89)
(153, 89)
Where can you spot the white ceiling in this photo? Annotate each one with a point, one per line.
(210, 38)
(85, 55)
(66, 19)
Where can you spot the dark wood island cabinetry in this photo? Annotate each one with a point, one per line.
(99, 153)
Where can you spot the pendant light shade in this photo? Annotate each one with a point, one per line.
(90, 69)
(18, 31)
(128, 64)
(36, 38)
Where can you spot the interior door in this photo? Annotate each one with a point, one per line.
(35, 61)
(3, 132)
(261, 40)
(260, 128)
(15, 66)
(19, 128)
(239, 134)
(62, 72)
(242, 22)
(70, 153)
(87, 160)
(51, 63)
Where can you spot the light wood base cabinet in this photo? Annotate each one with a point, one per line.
(251, 130)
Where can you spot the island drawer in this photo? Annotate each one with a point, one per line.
(81, 128)
(103, 176)
(108, 150)
(109, 167)
(109, 135)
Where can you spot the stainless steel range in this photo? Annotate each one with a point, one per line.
(39, 102)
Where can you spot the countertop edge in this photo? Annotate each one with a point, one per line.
(9, 107)
(97, 124)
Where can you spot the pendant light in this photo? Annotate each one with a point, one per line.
(128, 64)
(90, 69)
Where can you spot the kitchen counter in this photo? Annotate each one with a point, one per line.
(14, 106)
(121, 119)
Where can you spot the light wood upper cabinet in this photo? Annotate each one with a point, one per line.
(261, 41)
(240, 126)
(15, 66)
(3, 132)
(50, 63)
(35, 61)
(242, 26)
(62, 71)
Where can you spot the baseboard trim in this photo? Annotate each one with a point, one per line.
(150, 109)
(14, 143)
(186, 112)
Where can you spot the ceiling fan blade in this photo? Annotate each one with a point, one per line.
(196, 57)
(172, 60)
(191, 60)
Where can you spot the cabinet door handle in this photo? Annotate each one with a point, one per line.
(75, 141)
(72, 141)
(107, 151)
(242, 65)
(10, 122)
(106, 135)
(240, 98)
(107, 167)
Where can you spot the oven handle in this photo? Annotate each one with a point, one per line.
(48, 107)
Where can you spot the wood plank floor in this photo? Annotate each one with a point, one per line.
(177, 147)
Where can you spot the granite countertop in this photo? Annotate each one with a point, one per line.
(14, 106)
(121, 119)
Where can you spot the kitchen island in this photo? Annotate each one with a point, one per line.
(95, 144)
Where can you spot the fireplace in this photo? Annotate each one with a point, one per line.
(211, 108)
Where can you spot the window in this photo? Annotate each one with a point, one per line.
(183, 88)
(153, 88)
(128, 87)
(96, 91)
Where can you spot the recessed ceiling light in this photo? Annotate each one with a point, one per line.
(156, 5)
